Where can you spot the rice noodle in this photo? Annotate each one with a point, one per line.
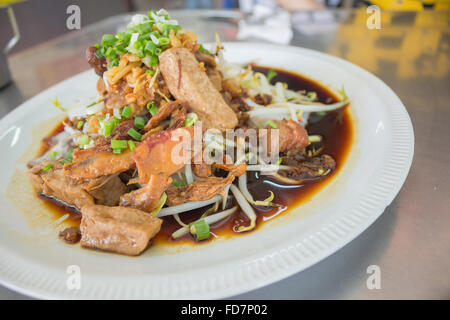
(252, 103)
(209, 220)
(257, 83)
(168, 211)
(279, 90)
(116, 113)
(213, 209)
(78, 109)
(105, 80)
(268, 167)
(293, 114)
(283, 107)
(265, 87)
(220, 215)
(188, 174)
(60, 220)
(242, 182)
(226, 191)
(95, 108)
(162, 95)
(280, 177)
(246, 207)
(286, 179)
(177, 218)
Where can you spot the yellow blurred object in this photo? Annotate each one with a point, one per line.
(407, 47)
(442, 5)
(412, 5)
(8, 2)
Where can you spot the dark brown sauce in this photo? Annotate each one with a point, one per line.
(45, 143)
(59, 209)
(337, 129)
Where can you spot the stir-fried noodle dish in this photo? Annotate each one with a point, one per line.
(182, 146)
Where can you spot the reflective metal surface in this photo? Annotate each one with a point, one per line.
(410, 242)
(5, 75)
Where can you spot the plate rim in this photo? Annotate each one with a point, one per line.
(395, 172)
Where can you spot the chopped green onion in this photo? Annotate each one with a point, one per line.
(152, 39)
(272, 124)
(80, 124)
(119, 144)
(100, 53)
(152, 108)
(150, 72)
(202, 49)
(169, 27)
(126, 112)
(177, 183)
(144, 28)
(83, 140)
(279, 161)
(108, 128)
(132, 145)
(113, 63)
(93, 103)
(150, 47)
(191, 119)
(154, 61)
(68, 158)
(53, 154)
(115, 120)
(117, 151)
(134, 134)
(163, 41)
(200, 229)
(270, 75)
(139, 122)
(108, 39)
(47, 167)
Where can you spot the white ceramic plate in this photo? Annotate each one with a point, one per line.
(36, 263)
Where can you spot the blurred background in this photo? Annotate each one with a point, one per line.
(411, 40)
(41, 20)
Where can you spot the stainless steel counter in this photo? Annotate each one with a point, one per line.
(410, 242)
